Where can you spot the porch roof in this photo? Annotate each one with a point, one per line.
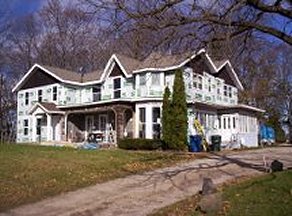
(49, 108)
(229, 107)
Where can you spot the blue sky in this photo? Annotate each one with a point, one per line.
(18, 8)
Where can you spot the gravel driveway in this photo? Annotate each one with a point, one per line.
(144, 193)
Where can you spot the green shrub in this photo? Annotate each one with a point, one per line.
(140, 144)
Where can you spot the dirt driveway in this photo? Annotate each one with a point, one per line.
(144, 193)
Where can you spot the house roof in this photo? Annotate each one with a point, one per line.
(219, 63)
(74, 76)
(154, 62)
(157, 60)
(130, 64)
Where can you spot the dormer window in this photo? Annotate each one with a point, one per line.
(55, 93)
(117, 87)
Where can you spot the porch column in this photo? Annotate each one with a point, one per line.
(49, 127)
(136, 122)
(34, 128)
(66, 126)
(120, 121)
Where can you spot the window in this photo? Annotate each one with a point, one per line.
(155, 79)
(198, 81)
(142, 80)
(117, 87)
(209, 85)
(234, 122)
(228, 120)
(96, 93)
(25, 127)
(55, 93)
(230, 91)
(225, 90)
(156, 122)
(218, 87)
(40, 95)
(224, 123)
(142, 123)
(219, 122)
(26, 102)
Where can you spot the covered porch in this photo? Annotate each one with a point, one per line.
(103, 124)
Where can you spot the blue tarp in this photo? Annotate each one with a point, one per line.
(90, 146)
(267, 134)
(195, 143)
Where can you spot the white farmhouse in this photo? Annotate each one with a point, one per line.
(125, 100)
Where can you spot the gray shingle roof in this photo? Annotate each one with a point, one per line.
(74, 76)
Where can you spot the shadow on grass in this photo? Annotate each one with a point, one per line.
(215, 161)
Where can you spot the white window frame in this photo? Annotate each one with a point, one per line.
(96, 94)
(117, 89)
(198, 81)
(142, 79)
(155, 79)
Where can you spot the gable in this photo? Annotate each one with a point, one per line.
(116, 71)
(225, 75)
(199, 65)
(38, 78)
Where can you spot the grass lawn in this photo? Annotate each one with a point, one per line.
(30, 173)
(269, 195)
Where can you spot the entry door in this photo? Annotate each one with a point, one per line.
(89, 123)
(102, 122)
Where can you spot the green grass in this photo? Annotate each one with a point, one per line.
(269, 195)
(30, 173)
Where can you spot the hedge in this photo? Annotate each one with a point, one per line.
(140, 144)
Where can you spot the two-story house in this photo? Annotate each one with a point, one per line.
(125, 100)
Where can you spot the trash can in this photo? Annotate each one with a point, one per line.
(195, 143)
(216, 143)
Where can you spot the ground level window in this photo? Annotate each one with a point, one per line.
(156, 128)
(142, 123)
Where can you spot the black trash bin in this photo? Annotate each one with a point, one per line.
(216, 143)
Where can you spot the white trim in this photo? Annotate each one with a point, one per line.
(109, 69)
(249, 107)
(112, 101)
(43, 108)
(227, 62)
(53, 75)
